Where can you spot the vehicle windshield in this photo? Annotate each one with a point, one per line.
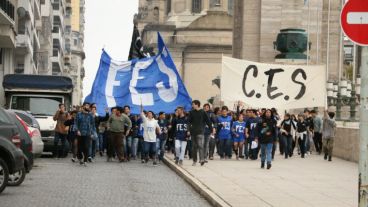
(46, 106)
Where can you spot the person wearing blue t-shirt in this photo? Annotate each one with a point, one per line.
(181, 133)
(238, 130)
(251, 133)
(224, 133)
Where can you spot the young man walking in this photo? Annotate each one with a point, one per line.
(120, 125)
(180, 128)
(317, 138)
(198, 120)
(61, 131)
(329, 128)
(85, 127)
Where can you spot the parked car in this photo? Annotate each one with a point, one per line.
(28, 118)
(26, 146)
(32, 123)
(8, 128)
(11, 159)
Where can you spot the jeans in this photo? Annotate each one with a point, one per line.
(180, 149)
(308, 142)
(225, 148)
(101, 143)
(247, 148)
(135, 147)
(317, 139)
(150, 150)
(92, 148)
(212, 146)
(302, 143)
(59, 150)
(128, 146)
(266, 153)
(160, 146)
(198, 142)
(83, 146)
(189, 148)
(328, 146)
(287, 141)
(206, 146)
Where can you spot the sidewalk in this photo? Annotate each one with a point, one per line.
(293, 182)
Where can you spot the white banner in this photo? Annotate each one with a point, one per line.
(262, 85)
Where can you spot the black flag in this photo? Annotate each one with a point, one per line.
(136, 47)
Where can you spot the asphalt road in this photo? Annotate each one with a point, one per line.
(66, 184)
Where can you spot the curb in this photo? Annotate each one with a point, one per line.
(198, 186)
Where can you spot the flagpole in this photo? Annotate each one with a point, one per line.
(317, 47)
(328, 48)
(308, 34)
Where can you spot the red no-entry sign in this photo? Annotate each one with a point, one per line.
(354, 21)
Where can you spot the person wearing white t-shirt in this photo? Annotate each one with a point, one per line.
(151, 129)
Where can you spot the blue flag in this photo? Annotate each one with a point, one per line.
(153, 82)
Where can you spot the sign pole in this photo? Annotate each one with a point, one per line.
(363, 162)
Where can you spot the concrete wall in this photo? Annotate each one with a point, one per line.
(346, 144)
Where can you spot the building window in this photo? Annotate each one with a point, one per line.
(215, 3)
(196, 6)
(75, 42)
(168, 6)
(231, 7)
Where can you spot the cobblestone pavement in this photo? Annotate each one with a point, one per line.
(62, 183)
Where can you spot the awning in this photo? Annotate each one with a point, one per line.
(41, 82)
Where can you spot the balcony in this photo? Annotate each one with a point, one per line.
(23, 42)
(7, 12)
(56, 61)
(57, 37)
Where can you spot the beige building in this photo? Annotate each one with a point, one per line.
(197, 32)
(75, 45)
(8, 30)
(257, 23)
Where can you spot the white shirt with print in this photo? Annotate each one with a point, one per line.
(149, 126)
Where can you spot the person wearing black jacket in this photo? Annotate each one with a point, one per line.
(310, 126)
(131, 140)
(72, 134)
(302, 130)
(267, 132)
(286, 137)
(198, 120)
(209, 141)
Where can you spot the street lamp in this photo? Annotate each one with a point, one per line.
(343, 94)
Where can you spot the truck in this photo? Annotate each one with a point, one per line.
(39, 95)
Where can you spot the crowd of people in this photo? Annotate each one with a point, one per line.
(199, 134)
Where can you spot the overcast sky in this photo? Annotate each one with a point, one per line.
(109, 25)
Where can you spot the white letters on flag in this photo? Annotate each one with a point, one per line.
(262, 85)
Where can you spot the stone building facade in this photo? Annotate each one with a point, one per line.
(197, 32)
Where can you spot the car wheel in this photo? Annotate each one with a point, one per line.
(17, 178)
(4, 175)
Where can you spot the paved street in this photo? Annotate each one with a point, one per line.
(293, 182)
(62, 183)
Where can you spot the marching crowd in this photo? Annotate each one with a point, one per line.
(199, 134)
